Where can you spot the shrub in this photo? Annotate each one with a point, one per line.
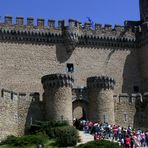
(25, 140)
(46, 126)
(101, 144)
(66, 135)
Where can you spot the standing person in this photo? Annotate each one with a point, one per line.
(90, 124)
(122, 142)
(132, 142)
(115, 130)
(146, 138)
(127, 141)
(142, 139)
(119, 133)
(96, 136)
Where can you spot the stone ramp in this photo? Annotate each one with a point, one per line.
(85, 137)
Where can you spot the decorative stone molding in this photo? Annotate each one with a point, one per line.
(70, 40)
(70, 35)
(80, 94)
(104, 82)
(57, 80)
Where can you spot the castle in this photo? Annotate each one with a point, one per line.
(73, 70)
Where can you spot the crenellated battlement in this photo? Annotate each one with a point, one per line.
(49, 32)
(40, 22)
(57, 80)
(101, 82)
(6, 94)
(14, 96)
(130, 99)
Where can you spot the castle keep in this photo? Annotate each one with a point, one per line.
(66, 71)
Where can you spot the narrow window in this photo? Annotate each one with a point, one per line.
(136, 89)
(70, 67)
(141, 117)
(11, 95)
(30, 120)
(125, 117)
(105, 118)
(2, 93)
(130, 100)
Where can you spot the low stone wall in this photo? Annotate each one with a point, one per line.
(8, 114)
(17, 112)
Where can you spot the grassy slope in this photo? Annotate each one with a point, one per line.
(49, 144)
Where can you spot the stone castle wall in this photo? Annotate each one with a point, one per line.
(8, 114)
(30, 109)
(125, 109)
(23, 65)
(80, 102)
(143, 62)
(131, 110)
(18, 112)
(29, 51)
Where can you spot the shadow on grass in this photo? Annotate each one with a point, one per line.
(48, 144)
(51, 144)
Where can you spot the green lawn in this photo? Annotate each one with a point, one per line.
(49, 144)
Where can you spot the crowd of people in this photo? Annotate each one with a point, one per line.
(127, 137)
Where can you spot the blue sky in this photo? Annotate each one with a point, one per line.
(100, 11)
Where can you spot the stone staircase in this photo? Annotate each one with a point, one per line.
(85, 137)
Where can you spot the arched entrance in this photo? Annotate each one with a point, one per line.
(80, 109)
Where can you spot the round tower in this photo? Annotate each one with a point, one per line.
(143, 10)
(100, 96)
(58, 97)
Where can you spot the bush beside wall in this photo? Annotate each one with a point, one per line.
(101, 144)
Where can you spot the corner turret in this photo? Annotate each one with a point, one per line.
(143, 10)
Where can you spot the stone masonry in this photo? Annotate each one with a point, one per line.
(101, 103)
(91, 59)
(58, 97)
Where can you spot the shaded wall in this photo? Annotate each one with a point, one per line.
(143, 62)
(8, 114)
(23, 65)
(17, 112)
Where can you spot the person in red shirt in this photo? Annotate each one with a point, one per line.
(127, 141)
(97, 136)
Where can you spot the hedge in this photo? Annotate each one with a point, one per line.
(66, 136)
(25, 140)
(101, 144)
